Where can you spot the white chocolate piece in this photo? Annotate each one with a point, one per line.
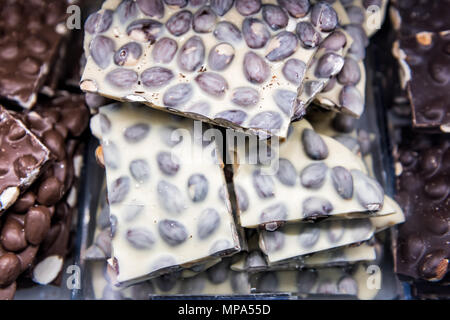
(373, 16)
(236, 283)
(294, 197)
(404, 69)
(93, 79)
(323, 124)
(232, 283)
(327, 281)
(327, 258)
(140, 207)
(96, 252)
(313, 85)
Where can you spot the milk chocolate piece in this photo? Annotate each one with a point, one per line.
(424, 60)
(165, 203)
(23, 157)
(412, 17)
(216, 65)
(295, 240)
(32, 32)
(423, 191)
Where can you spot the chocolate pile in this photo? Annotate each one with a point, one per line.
(41, 138)
(421, 118)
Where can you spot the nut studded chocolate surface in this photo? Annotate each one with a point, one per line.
(369, 14)
(325, 281)
(33, 224)
(22, 158)
(30, 34)
(165, 202)
(218, 281)
(346, 91)
(411, 17)
(295, 240)
(425, 59)
(326, 64)
(315, 177)
(423, 191)
(237, 64)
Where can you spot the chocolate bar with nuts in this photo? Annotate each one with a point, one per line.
(31, 34)
(422, 250)
(368, 14)
(431, 290)
(286, 182)
(100, 249)
(23, 157)
(424, 60)
(32, 223)
(164, 189)
(324, 282)
(412, 17)
(295, 240)
(236, 64)
(47, 267)
(326, 64)
(345, 91)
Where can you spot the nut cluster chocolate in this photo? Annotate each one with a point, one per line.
(30, 35)
(39, 219)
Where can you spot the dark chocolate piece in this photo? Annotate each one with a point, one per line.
(423, 192)
(428, 58)
(30, 36)
(423, 15)
(22, 158)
